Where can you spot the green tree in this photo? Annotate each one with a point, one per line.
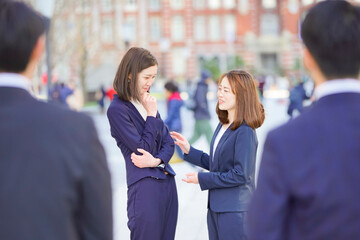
(213, 66)
(235, 62)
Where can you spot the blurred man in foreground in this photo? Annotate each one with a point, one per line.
(308, 186)
(54, 178)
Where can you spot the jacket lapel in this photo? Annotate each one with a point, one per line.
(135, 111)
(212, 142)
(216, 159)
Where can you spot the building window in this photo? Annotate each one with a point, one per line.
(177, 4)
(230, 28)
(229, 4)
(214, 4)
(155, 28)
(177, 28)
(293, 6)
(214, 25)
(199, 4)
(199, 29)
(106, 5)
(131, 5)
(155, 5)
(269, 24)
(243, 7)
(269, 4)
(178, 61)
(307, 2)
(107, 30)
(82, 6)
(129, 30)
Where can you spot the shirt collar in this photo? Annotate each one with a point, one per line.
(15, 80)
(337, 86)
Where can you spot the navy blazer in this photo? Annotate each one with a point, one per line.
(54, 179)
(131, 132)
(308, 185)
(231, 178)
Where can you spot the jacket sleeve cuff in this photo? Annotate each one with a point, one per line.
(203, 178)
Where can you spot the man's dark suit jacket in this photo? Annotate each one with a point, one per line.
(231, 178)
(54, 179)
(309, 179)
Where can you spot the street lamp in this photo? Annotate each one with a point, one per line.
(46, 7)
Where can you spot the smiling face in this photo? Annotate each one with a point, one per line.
(226, 97)
(146, 78)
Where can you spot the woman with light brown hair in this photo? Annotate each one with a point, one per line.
(231, 162)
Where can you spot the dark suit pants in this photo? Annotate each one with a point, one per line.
(153, 209)
(226, 225)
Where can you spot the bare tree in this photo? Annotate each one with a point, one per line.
(69, 39)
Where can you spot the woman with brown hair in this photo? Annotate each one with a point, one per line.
(147, 147)
(231, 162)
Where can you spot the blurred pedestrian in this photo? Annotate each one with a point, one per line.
(201, 109)
(147, 147)
(100, 95)
(110, 93)
(54, 178)
(75, 99)
(173, 120)
(65, 92)
(261, 86)
(232, 156)
(296, 99)
(308, 185)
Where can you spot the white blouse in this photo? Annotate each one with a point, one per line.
(218, 137)
(140, 108)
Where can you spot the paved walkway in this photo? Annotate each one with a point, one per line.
(192, 201)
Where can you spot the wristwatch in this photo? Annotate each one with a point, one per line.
(161, 165)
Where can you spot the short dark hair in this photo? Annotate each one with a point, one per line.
(20, 28)
(134, 61)
(171, 87)
(331, 33)
(249, 109)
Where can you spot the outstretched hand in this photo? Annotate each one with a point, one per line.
(191, 178)
(144, 160)
(181, 141)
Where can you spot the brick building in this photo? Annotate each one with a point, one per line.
(260, 35)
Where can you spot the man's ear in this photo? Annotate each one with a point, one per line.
(313, 67)
(130, 76)
(309, 61)
(39, 48)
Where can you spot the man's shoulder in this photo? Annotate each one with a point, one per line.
(58, 114)
(295, 127)
(117, 106)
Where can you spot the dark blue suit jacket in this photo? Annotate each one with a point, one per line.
(308, 186)
(54, 178)
(131, 132)
(231, 178)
